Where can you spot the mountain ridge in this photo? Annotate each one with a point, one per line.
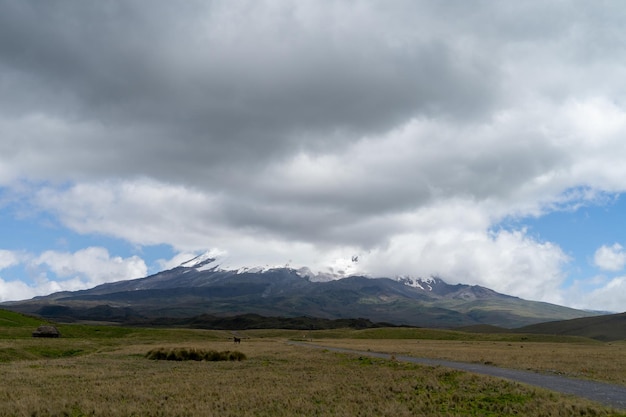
(202, 286)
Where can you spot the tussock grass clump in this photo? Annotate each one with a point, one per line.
(192, 354)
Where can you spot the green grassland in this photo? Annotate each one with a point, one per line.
(414, 333)
(97, 370)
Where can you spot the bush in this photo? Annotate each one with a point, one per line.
(183, 354)
(236, 356)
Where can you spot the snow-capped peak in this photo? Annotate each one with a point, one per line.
(338, 269)
(220, 261)
(200, 262)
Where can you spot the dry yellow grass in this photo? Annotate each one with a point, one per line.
(604, 362)
(276, 380)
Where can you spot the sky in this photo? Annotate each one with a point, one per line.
(481, 142)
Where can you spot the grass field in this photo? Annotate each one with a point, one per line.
(589, 360)
(103, 371)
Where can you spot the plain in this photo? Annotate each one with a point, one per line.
(103, 370)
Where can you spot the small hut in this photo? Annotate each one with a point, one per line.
(46, 331)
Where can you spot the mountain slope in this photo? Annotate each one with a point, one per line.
(203, 287)
(605, 328)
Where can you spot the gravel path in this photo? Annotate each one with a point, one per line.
(607, 394)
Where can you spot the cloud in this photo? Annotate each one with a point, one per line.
(610, 258)
(91, 266)
(16, 290)
(282, 132)
(142, 211)
(426, 210)
(610, 297)
(226, 86)
(599, 293)
(510, 262)
(8, 259)
(54, 271)
(216, 86)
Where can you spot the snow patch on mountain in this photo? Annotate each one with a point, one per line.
(202, 262)
(213, 260)
(425, 284)
(340, 268)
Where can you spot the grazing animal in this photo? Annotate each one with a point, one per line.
(236, 340)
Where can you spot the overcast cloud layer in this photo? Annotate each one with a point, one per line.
(306, 132)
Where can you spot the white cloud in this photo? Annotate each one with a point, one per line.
(598, 293)
(142, 211)
(610, 258)
(508, 262)
(89, 267)
(450, 241)
(8, 258)
(284, 132)
(610, 297)
(17, 290)
(54, 271)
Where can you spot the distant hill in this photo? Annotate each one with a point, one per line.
(606, 328)
(202, 287)
(255, 321)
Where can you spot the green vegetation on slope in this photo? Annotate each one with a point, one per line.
(10, 319)
(18, 325)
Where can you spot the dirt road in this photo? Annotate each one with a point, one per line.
(607, 394)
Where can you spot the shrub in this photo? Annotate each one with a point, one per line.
(183, 354)
(236, 356)
(213, 356)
